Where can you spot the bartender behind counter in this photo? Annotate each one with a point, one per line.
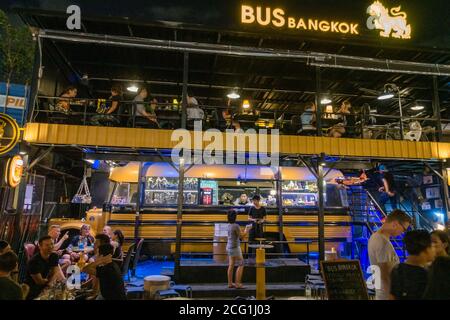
(257, 215)
(242, 200)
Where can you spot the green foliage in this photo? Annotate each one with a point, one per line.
(16, 52)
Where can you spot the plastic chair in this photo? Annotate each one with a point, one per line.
(164, 294)
(126, 262)
(137, 256)
(186, 289)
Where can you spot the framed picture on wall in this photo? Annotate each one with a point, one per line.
(438, 204)
(432, 193)
(427, 179)
(426, 206)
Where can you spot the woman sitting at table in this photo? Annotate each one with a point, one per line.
(142, 111)
(63, 103)
(117, 242)
(309, 116)
(338, 130)
(84, 238)
(109, 115)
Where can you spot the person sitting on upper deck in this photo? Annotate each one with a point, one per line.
(242, 200)
(193, 111)
(227, 115)
(142, 111)
(109, 115)
(339, 129)
(309, 116)
(63, 103)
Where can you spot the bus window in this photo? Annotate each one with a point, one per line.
(125, 193)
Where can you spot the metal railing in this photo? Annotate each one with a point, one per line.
(168, 115)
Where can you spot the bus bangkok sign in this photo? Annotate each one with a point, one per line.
(391, 23)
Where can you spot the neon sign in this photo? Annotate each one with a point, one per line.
(392, 22)
(9, 133)
(14, 170)
(277, 18)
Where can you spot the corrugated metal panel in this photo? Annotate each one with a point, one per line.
(161, 139)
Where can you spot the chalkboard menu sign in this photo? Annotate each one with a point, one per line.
(344, 280)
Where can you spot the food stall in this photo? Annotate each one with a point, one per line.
(210, 191)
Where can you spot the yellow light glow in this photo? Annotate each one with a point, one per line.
(329, 109)
(246, 104)
(278, 18)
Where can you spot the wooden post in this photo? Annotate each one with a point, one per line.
(260, 274)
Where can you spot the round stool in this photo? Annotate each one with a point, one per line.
(152, 284)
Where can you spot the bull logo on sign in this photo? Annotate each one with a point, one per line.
(2, 129)
(388, 21)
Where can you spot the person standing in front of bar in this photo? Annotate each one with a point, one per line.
(234, 250)
(257, 215)
(381, 252)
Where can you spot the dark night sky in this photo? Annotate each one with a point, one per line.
(430, 20)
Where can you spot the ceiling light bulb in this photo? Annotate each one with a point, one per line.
(385, 96)
(133, 88)
(325, 101)
(417, 108)
(233, 95)
(246, 104)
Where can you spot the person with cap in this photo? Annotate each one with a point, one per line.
(257, 215)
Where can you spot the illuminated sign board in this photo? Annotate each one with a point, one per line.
(278, 18)
(9, 133)
(13, 102)
(14, 170)
(392, 23)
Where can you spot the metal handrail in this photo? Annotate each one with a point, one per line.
(428, 223)
(378, 207)
(376, 204)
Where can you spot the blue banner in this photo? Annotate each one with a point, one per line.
(17, 101)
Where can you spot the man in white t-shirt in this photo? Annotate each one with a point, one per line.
(381, 251)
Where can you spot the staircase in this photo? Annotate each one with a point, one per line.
(367, 218)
